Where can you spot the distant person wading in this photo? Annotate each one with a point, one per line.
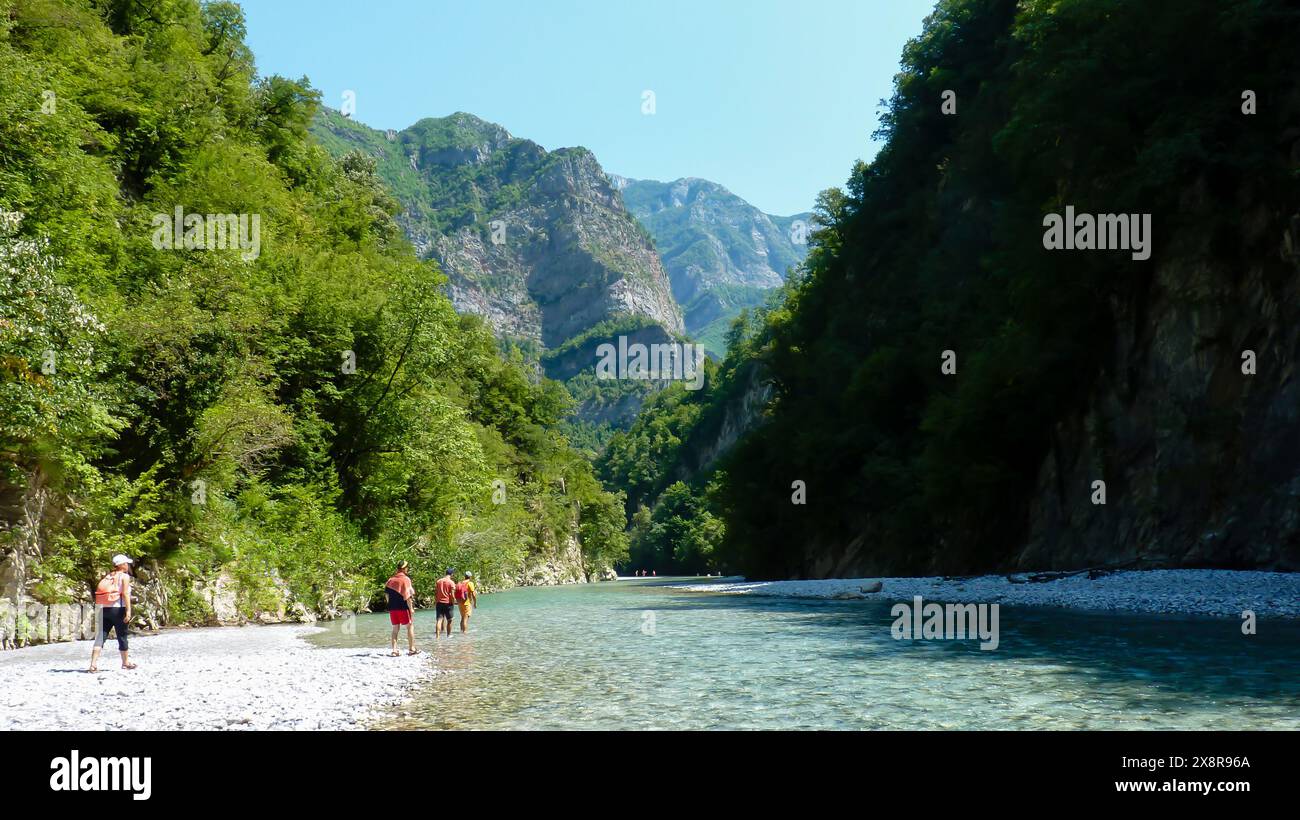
(401, 607)
(444, 597)
(113, 610)
(466, 599)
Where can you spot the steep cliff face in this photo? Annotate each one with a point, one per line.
(728, 420)
(1201, 460)
(537, 242)
(561, 564)
(722, 254)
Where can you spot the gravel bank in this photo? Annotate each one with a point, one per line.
(253, 677)
(1173, 591)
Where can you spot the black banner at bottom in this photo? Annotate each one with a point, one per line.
(146, 772)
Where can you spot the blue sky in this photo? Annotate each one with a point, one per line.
(774, 99)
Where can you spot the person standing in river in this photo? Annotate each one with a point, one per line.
(401, 608)
(113, 610)
(445, 596)
(466, 599)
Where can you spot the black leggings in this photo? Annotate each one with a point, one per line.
(113, 617)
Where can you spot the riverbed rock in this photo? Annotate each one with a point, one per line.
(873, 587)
(219, 593)
(300, 614)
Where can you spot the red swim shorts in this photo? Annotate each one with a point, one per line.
(399, 617)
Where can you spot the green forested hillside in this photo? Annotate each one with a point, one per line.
(536, 242)
(296, 414)
(1071, 366)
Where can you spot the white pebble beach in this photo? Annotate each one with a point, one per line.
(251, 677)
(1171, 591)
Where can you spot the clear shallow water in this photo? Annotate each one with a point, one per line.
(577, 657)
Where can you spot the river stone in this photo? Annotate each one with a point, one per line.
(874, 586)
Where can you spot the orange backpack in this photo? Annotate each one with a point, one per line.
(109, 590)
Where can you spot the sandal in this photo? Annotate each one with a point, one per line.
(130, 666)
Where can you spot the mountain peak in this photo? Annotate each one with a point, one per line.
(458, 131)
(722, 254)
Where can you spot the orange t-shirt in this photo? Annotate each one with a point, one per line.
(401, 588)
(446, 590)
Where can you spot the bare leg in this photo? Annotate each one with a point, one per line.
(410, 638)
(126, 662)
(94, 659)
(392, 642)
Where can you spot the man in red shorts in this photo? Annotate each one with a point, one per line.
(401, 605)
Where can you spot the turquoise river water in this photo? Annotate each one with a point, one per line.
(635, 654)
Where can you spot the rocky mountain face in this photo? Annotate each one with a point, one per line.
(722, 254)
(536, 242)
(1201, 457)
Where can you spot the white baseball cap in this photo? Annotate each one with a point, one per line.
(121, 559)
(469, 574)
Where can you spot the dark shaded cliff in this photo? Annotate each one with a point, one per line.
(1168, 373)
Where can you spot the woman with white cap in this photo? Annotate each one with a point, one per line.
(113, 610)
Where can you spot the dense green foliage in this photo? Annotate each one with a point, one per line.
(679, 537)
(299, 420)
(672, 490)
(1108, 106)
